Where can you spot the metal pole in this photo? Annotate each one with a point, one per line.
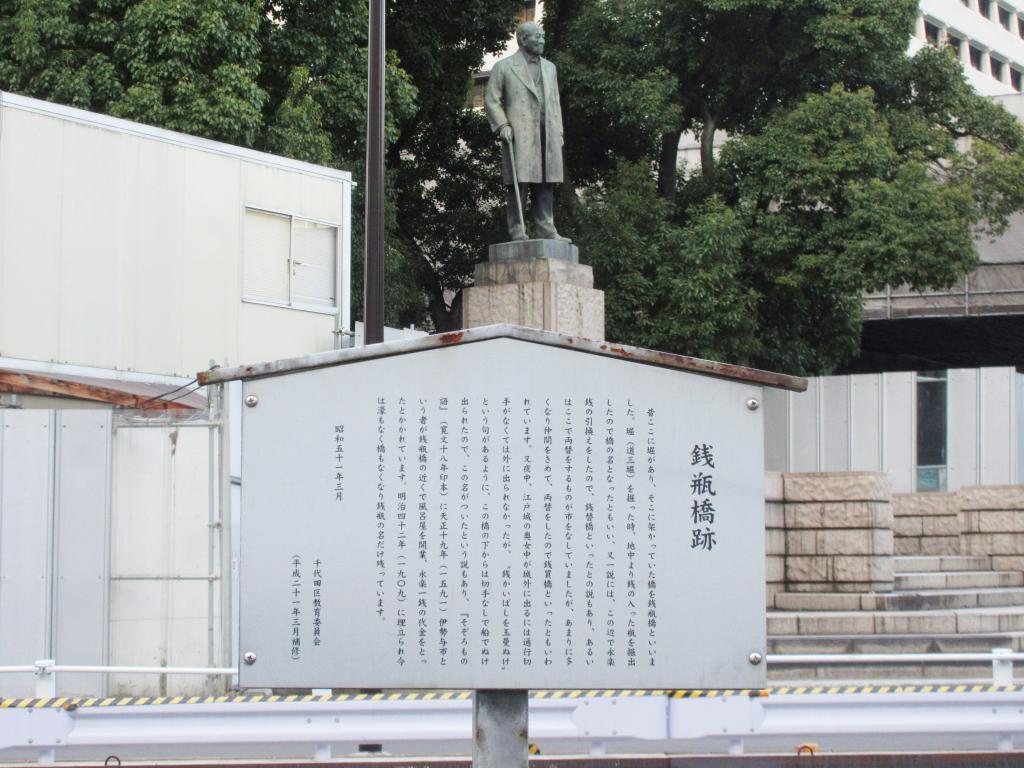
(515, 185)
(500, 727)
(223, 416)
(211, 532)
(373, 287)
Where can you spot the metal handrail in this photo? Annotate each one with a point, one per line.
(891, 658)
(1002, 660)
(49, 667)
(800, 659)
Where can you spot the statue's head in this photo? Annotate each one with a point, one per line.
(530, 36)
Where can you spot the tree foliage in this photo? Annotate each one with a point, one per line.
(848, 166)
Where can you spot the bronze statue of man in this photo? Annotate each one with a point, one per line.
(522, 106)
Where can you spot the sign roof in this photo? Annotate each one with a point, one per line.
(530, 335)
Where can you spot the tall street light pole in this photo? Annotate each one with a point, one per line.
(373, 286)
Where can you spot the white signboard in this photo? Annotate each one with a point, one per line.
(502, 514)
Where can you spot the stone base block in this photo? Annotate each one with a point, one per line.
(992, 543)
(774, 537)
(991, 497)
(992, 521)
(560, 307)
(825, 573)
(926, 523)
(533, 271)
(522, 250)
(839, 532)
(858, 587)
(837, 486)
(925, 504)
(841, 541)
(850, 514)
(926, 545)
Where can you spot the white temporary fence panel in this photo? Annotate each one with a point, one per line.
(26, 493)
(54, 512)
(502, 514)
(160, 582)
(868, 422)
(81, 536)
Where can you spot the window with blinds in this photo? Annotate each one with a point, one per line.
(289, 261)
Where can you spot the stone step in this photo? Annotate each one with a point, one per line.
(964, 671)
(976, 642)
(899, 601)
(832, 673)
(924, 622)
(907, 564)
(921, 580)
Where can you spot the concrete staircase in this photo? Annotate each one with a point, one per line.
(945, 604)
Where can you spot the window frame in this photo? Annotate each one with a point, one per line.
(334, 310)
(997, 67)
(938, 471)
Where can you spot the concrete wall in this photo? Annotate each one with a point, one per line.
(121, 244)
(867, 422)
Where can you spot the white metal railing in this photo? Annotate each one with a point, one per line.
(46, 671)
(1002, 660)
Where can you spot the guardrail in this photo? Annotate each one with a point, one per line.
(868, 719)
(845, 717)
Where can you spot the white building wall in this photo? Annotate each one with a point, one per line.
(967, 23)
(121, 245)
(867, 422)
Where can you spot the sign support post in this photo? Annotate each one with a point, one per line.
(500, 729)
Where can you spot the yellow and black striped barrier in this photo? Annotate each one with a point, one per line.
(71, 703)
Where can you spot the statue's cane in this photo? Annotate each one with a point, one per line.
(515, 183)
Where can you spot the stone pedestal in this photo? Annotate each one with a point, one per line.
(838, 532)
(926, 524)
(536, 284)
(992, 523)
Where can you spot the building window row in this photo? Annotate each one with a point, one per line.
(998, 13)
(972, 54)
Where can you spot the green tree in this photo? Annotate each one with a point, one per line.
(62, 50)
(187, 66)
(449, 197)
(849, 166)
(289, 76)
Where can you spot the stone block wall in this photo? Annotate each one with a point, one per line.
(774, 536)
(992, 523)
(926, 523)
(838, 532)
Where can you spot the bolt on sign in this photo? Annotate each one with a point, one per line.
(502, 508)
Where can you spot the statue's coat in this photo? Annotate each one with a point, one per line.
(511, 99)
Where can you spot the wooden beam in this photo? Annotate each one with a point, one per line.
(24, 383)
